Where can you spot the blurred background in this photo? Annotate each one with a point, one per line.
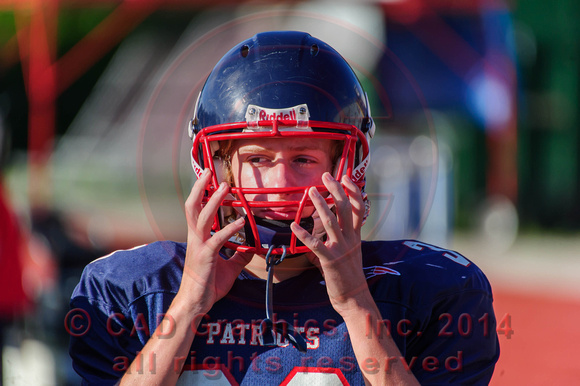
(477, 148)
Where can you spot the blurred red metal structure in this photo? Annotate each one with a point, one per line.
(46, 76)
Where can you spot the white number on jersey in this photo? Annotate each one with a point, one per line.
(451, 255)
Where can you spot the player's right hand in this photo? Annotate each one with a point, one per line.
(207, 277)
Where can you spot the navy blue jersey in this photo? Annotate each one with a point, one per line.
(436, 305)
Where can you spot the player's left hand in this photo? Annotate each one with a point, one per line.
(339, 258)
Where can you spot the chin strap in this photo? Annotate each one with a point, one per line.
(268, 327)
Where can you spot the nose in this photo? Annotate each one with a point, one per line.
(281, 175)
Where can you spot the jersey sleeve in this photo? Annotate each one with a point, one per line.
(438, 306)
(117, 305)
(100, 345)
(456, 341)
(103, 340)
(459, 344)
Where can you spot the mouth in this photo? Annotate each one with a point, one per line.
(278, 214)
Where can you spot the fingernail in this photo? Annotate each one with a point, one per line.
(222, 186)
(314, 192)
(240, 221)
(206, 172)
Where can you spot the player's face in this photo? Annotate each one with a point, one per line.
(280, 163)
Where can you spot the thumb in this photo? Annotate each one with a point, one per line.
(240, 259)
(314, 260)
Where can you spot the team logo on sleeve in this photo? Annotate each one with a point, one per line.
(378, 270)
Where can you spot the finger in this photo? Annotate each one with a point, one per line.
(328, 219)
(218, 239)
(207, 215)
(356, 202)
(313, 243)
(193, 202)
(341, 201)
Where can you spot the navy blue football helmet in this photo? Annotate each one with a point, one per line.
(277, 85)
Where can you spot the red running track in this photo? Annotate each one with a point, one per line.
(544, 346)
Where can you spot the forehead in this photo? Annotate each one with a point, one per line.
(283, 144)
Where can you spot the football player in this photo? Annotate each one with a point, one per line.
(274, 285)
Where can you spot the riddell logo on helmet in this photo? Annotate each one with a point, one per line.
(299, 113)
(283, 115)
(196, 168)
(359, 172)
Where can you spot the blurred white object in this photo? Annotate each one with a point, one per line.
(32, 363)
(499, 224)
